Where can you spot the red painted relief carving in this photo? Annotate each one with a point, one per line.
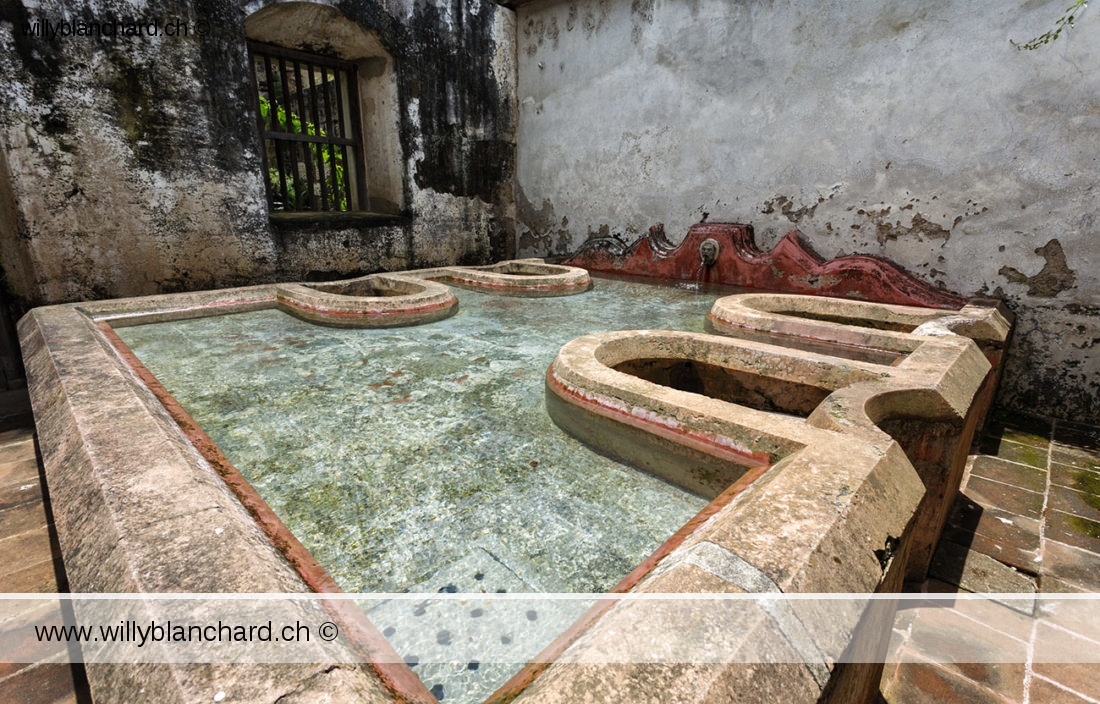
(726, 253)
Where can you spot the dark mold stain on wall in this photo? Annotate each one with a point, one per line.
(590, 15)
(641, 15)
(543, 230)
(1069, 334)
(43, 60)
(463, 116)
(224, 68)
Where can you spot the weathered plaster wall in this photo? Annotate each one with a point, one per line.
(130, 165)
(918, 132)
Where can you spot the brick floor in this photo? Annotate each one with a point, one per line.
(1027, 521)
(30, 563)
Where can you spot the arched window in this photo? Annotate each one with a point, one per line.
(328, 116)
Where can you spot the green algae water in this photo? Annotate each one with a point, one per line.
(422, 459)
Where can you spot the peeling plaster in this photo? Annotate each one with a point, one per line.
(1054, 278)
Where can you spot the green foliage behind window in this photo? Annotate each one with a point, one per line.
(329, 156)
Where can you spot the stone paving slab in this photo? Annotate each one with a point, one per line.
(968, 648)
(1074, 502)
(15, 495)
(1056, 644)
(1076, 478)
(917, 681)
(1012, 499)
(975, 572)
(31, 563)
(21, 518)
(1075, 457)
(1067, 563)
(1045, 691)
(16, 444)
(21, 622)
(26, 548)
(1005, 472)
(1001, 526)
(1022, 560)
(44, 683)
(1013, 451)
(1037, 435)
(37, 577)
(989, 613)
(14, 472)
(1079, 617)
(1073, 530)
(1053, 585)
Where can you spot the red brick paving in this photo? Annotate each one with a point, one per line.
(1005, 472)
(1032, 491)
(1044, 691)
(31, 563)
(917, 680)
(1012, 498)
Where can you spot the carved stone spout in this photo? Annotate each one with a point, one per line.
(708, 252)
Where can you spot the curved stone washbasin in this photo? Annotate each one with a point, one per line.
(857, 325)
(840, 469)
(699, 410)
(935, 443)
(521, 277)
(380, 300)
(415, 297)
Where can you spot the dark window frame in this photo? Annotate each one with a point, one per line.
(318, 167)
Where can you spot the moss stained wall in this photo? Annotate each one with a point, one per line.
(131, 164)
(914, 131)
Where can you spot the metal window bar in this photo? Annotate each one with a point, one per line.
(336, 191)
(319, 152)
(266, 125)
(311, 144)
(305, 128)
(339, 118)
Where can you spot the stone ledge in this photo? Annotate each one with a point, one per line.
(138, 510)
(855, 489)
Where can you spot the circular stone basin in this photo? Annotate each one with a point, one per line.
(522, 268)
(522, 277)
(365, 288)
(380, 300)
